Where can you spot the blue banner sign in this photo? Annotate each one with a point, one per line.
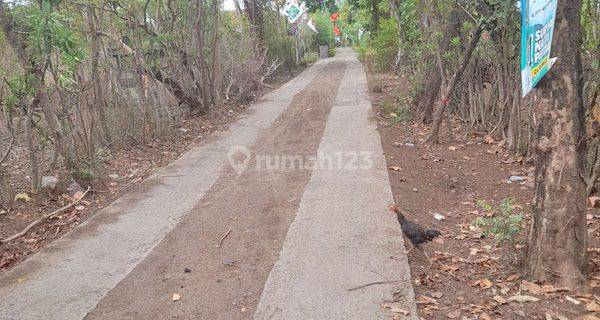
(537, 25)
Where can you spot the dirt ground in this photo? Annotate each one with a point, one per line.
(440, 187)
(127, 166)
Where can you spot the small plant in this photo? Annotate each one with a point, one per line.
(308, 59)
(398, 112)
(331, 52)
(502, 223)
(85, 174)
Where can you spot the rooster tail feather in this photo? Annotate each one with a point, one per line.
(432, 233)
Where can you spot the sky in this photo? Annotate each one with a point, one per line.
(228, 5)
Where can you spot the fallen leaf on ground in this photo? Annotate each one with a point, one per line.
(594, 201)
(437, 294)
(484, 283)
(531, 287)
(592, 307)
(176, 297)
(523, 298)
(426, 300)
(395, 307)
(22, 197)
(572, 300)
(78, 195)
(512, 278)
(454, 314)
(484, 316)
(395, 168)
(500, 299)
(548, 288)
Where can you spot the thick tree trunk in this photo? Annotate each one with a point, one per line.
(557, 239)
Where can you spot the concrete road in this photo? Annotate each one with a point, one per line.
(280, 217)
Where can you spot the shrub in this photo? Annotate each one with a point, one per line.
(308, 59)
(503, 224)
(331, 51)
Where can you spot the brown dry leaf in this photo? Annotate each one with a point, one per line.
(594, 201)
(592, 307)
(512, 278)
(484, 283)
(437, 294)
(395, 307)
(176, 297)
(78, 195)
(548, 288)
(426, 300)
(484, 316)
(523, 298)
(489, 140)
(531, 287)
(500, 299)
(453, 315)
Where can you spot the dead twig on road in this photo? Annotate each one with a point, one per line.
(373, 283)
(223, 237)
(36, 222)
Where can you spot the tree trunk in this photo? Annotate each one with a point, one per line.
(202, 66)
(41, 97)
(396, 12)
(447, 90)
(557, 239)
(431, 90)
(99, 100)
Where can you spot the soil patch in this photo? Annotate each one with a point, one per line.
(471, 277)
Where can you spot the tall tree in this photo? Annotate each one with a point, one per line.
(557, 239)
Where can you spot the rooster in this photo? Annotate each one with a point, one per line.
(414, 232)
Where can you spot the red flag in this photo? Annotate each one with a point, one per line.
(334, 16)
(336, 30)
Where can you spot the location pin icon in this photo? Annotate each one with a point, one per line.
(239, 157)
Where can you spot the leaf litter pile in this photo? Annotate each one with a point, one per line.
(479, 197)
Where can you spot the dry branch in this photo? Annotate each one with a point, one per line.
(36, 222)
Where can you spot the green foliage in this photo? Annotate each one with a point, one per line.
(19, 87)
(331, 51)
(385, 44)
(503, 225)
(85, 174)
(50, 34)
(399, 113)
(309, 59)
(324, 35)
